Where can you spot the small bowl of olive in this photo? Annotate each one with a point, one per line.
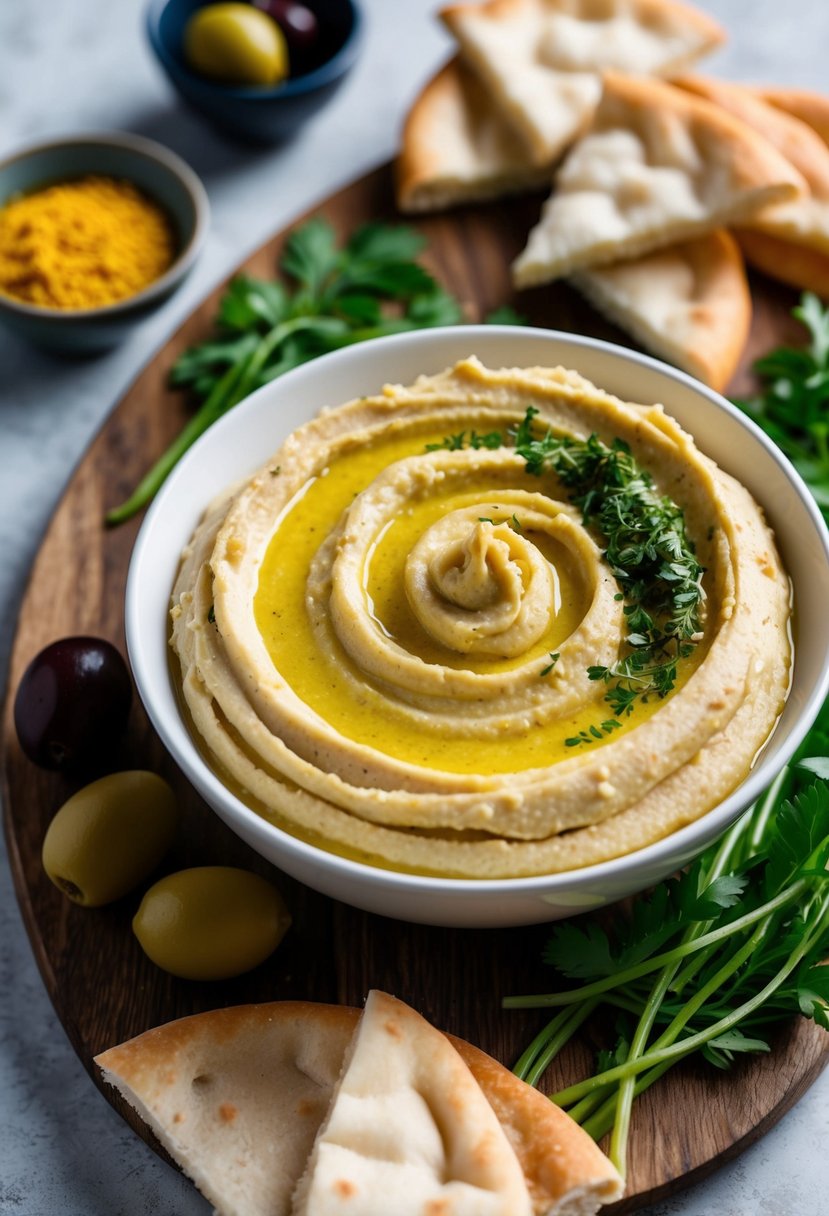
(256, 69)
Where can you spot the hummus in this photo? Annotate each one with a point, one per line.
(385, 640)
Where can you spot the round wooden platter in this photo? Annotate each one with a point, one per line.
(103, 988)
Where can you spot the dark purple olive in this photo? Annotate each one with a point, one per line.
(72, 704)
(297, 22)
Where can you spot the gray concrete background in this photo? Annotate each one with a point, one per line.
(73, 65)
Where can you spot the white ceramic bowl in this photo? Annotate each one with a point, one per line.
(242, 441)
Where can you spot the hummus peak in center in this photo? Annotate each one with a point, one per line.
(402, 641)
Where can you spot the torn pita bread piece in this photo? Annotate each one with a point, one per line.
(409, 1130)
(540, 59)
(237, 1096)
(804, 220)
(659, 166)
(457, 148)
(689, 304)
(811, 108)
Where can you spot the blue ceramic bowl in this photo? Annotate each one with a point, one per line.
(160, 175)
(259, 115)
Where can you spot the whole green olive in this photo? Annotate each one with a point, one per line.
(109, 836)
(236, 43)
(211, 922)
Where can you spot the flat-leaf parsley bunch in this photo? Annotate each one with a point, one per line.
(708, 961)
(328, 297)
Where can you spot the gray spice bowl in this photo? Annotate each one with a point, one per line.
(158, 173)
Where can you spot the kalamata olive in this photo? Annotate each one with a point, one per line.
(297, 22)
(211, 922)
(236, 43)
(72, 704)
(110, 836)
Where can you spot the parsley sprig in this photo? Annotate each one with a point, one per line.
(328, 297)
(708, 962)
(648, 551)
(793, 406)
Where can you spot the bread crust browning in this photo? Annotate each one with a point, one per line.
(291, 1053)
(457, 148)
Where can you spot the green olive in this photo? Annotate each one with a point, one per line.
(236, 43)
(109, 836)
(211, 922)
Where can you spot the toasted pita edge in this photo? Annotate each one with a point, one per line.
(424, 180)
(798, 265)
(811, 108)
(760, 175)
(573, 1181)
(721, 316)
(794, 139)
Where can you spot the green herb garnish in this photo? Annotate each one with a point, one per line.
(467, 439)
(593, 733)
(329, 297)
(708, 961)
(648, 552)
(793, 407)
(554, 658)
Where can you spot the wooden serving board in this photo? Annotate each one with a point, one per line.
(104, 989)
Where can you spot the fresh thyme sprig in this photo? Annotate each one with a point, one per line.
(649, 554)
(646, 546)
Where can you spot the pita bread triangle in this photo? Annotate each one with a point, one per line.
(658, 166)
(804, 220)
(409, 1130)
(689, 304)
(540, 59)
(236, 1096)
(457, 147)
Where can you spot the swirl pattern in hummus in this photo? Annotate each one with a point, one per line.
(384, 643)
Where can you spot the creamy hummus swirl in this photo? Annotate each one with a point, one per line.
(385, 642)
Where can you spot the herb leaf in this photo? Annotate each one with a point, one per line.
(793, 404)
(329, 297)
(649, 554)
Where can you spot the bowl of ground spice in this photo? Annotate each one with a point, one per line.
(95, 232)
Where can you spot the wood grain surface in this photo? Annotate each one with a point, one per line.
(104, 989)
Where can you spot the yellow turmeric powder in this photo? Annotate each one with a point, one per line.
(82, 244)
